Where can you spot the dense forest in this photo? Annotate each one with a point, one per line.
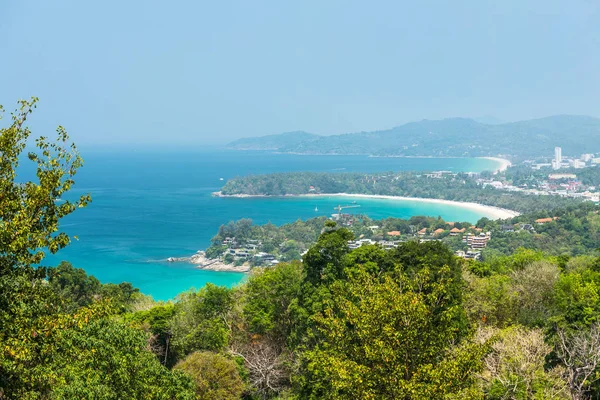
(412, 322)
(457, 137)
(459, 187)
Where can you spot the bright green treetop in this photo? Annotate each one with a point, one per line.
(29, 211)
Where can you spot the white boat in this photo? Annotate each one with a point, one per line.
(316, 209)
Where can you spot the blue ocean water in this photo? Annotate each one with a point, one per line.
(151, 205)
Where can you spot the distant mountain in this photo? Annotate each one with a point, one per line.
(272, 142)
(452, 137)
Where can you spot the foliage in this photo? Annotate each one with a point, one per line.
(30, 211)
(214, 376)
(200, 320)
(515, 368)
(382, 339)
(269, 293)
(60, 337)
(106, 359)
(73, 284)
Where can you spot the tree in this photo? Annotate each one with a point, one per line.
(514, 369)
(268, 296)
(324, 260)
(579, 352)
(201, 320)
(56, 339)
(215, 376)
(30, 211)
(385, 339)
(74, 284)
(267, 365)
(108, 359)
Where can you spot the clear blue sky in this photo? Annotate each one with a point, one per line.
(193, 72)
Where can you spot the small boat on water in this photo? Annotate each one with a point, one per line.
(316, 209)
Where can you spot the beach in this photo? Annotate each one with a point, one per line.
(489, 211)
(504, 163)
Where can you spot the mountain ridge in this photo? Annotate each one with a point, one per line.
(457, 136)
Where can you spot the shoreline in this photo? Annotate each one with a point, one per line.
(504, 163)
(208, 264)
(492, 212)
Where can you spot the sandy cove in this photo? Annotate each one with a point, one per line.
(490, 211)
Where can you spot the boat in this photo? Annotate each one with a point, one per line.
(220, 179)
(316, 209)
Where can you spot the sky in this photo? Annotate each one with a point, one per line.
(197, 73)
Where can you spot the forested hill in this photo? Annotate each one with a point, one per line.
(447, 137)
(460, 187)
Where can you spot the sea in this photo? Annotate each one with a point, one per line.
(148, 205)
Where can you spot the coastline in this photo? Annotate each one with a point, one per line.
(504, 163)
(201, 262)
(490, 211)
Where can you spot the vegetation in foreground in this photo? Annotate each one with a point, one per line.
(413, 322)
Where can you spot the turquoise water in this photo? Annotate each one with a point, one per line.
(148, 206)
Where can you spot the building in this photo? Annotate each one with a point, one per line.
(480, 241)
(527, 227)
(469, 255)
(557, 161)
(455, 231)
(438, 231)
(477, 241)
(229, 241)
(577, 164)
(587, 157)
(542, 221)
(558, 155)
(394, 233)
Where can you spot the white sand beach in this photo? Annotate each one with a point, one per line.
(504, 163)
(489, 211)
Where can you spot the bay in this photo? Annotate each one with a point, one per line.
(151, 205)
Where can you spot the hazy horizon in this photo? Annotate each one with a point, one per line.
(208, 73)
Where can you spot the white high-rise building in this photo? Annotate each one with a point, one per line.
(558, 155)
(556, 163)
